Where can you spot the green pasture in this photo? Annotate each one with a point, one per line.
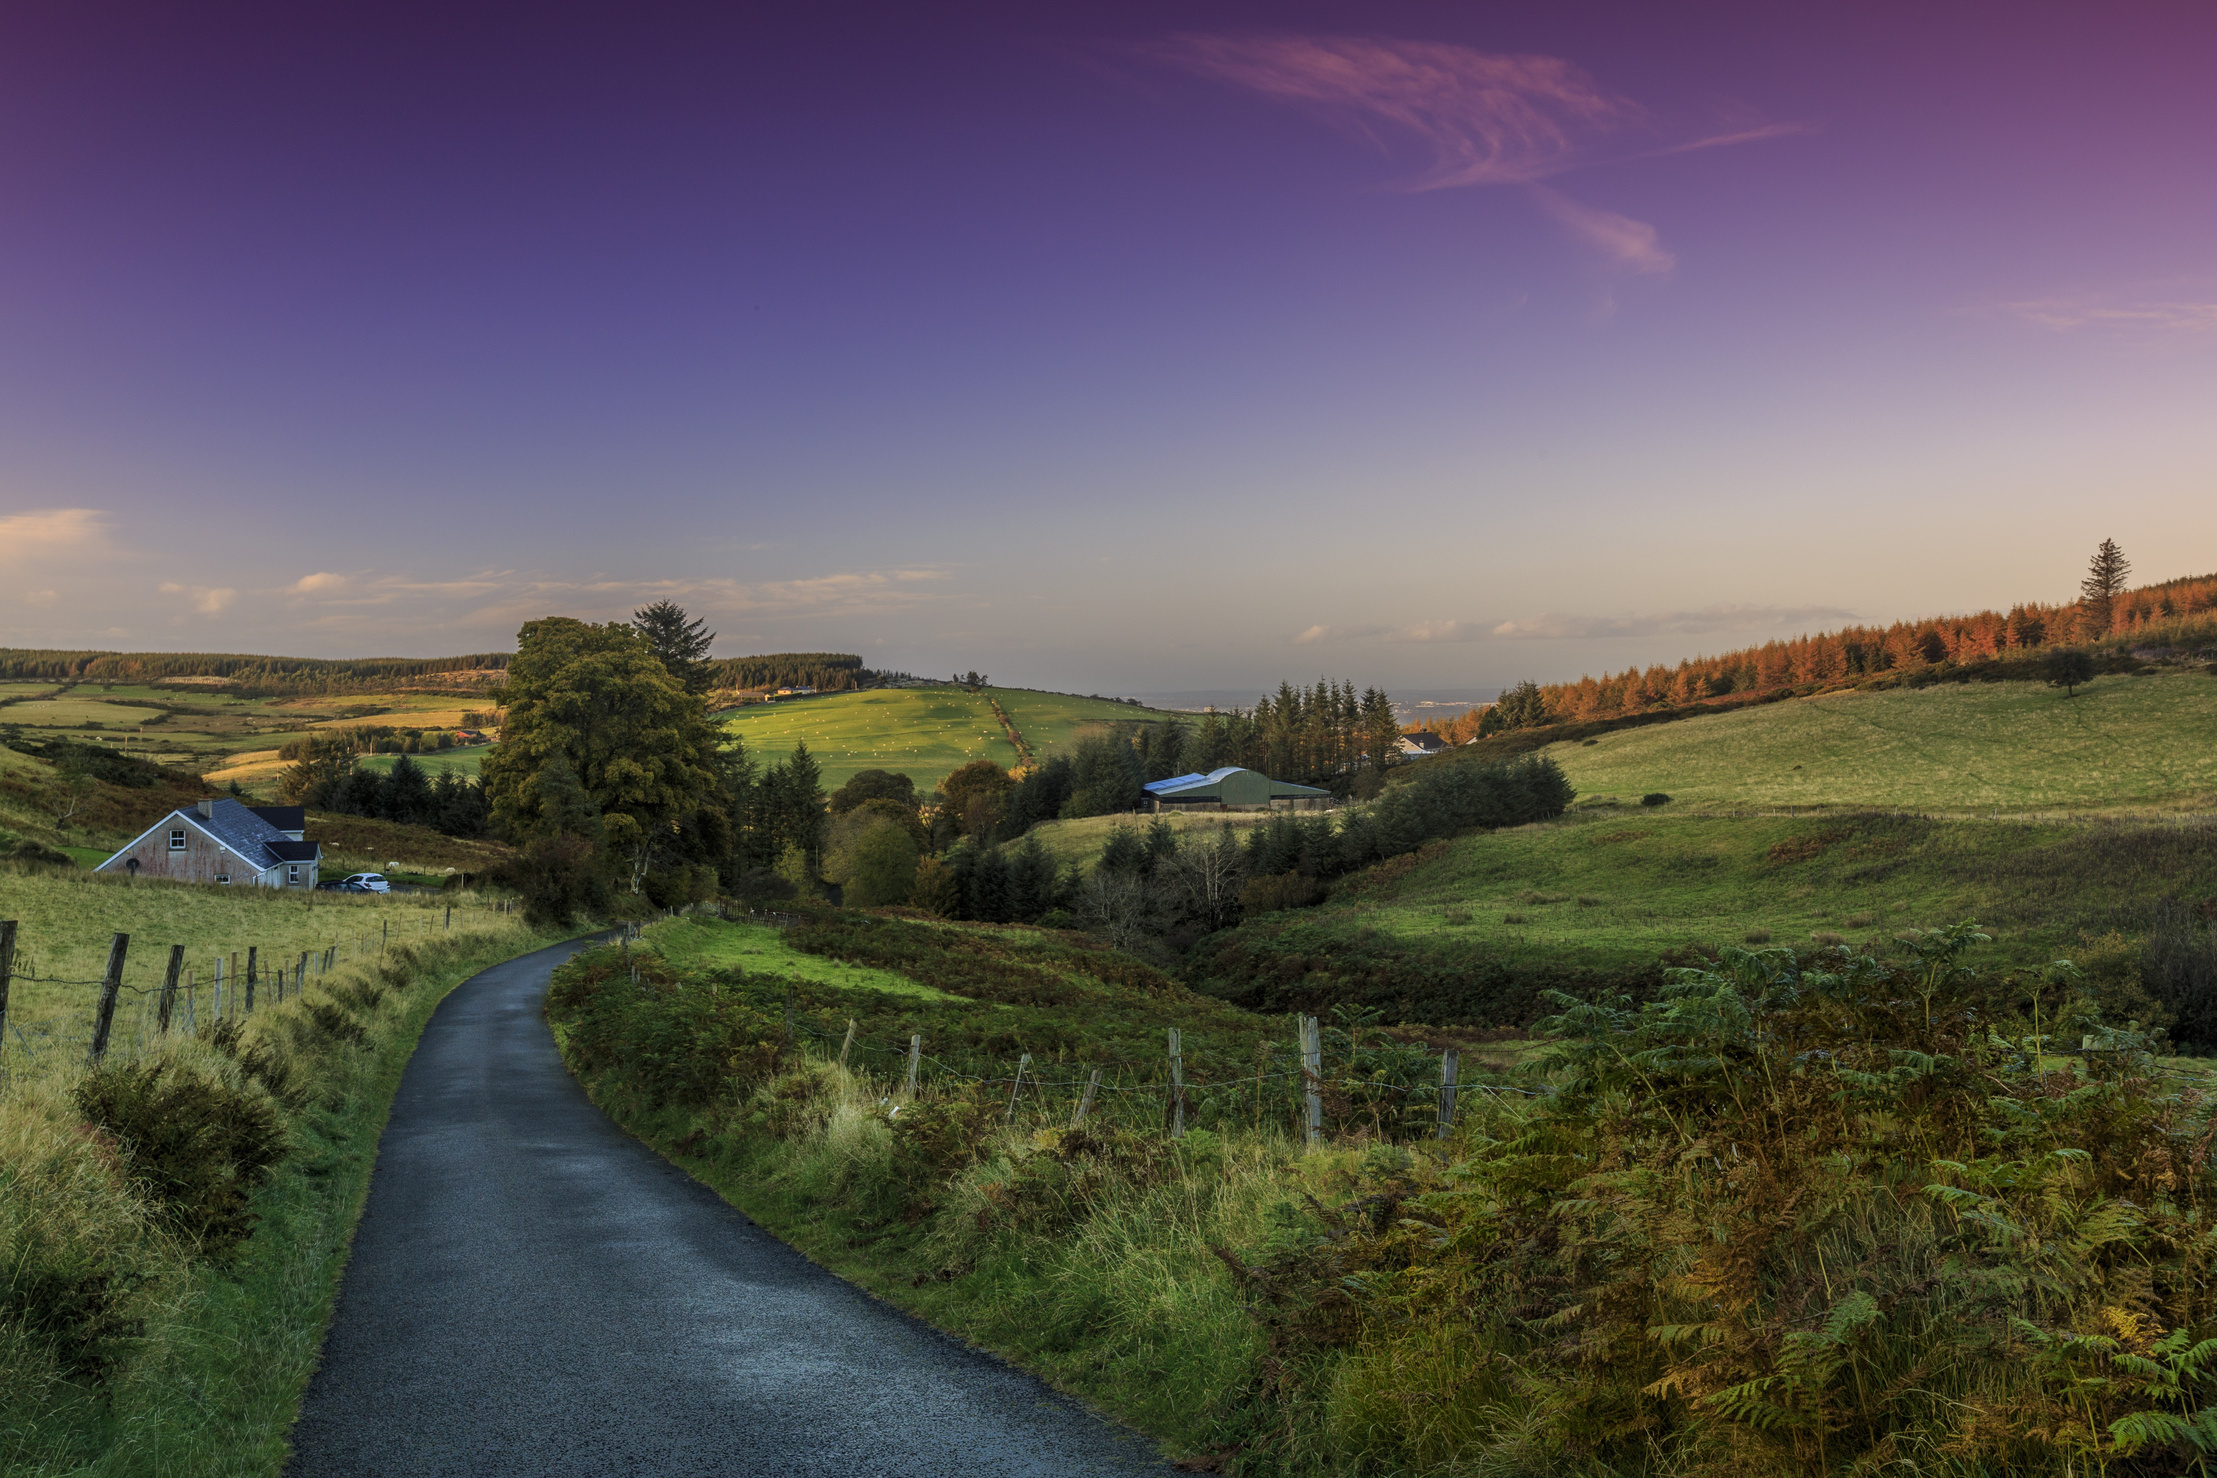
(463, 762)
(758, 949)
(1617, 887)
(2123, 742)
(924, 733)
(74, 712)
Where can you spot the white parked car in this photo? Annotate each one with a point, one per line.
(374, 881)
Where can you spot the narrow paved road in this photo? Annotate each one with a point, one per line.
(533, 1292)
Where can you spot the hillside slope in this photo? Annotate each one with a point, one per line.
(2122, 742)
(925, 733)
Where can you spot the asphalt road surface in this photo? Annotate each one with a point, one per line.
(533, 1292)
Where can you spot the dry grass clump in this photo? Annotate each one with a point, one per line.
(1757, 936)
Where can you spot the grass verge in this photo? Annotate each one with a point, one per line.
(209, 1380)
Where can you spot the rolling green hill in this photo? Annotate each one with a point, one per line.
(925, 733)
(2124, 742)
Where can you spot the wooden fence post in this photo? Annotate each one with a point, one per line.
(231, 980)
(1448, 1066)
(169, 987)
(449, 929)
(109, 987)
(915, 1061)
(300, 976)
(848, 1045)
(1085, 1104)
(253, 951)
(7, 970)
(1018, 1086)
(1177, 1087)
(1312, 1080)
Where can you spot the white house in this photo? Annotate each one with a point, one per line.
(1417, 746)
(225, 841)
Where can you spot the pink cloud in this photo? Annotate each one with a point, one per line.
(1485, 118)
(1632, 245)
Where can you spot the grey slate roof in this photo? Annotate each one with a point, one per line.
(284, 818)
(246, 832)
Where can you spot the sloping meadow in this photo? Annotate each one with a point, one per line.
(1809, 1214)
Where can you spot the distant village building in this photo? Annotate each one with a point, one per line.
(1234, 789)
(1417, 746)
(794, 693)
(225, 841)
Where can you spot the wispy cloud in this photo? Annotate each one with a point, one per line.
(1483, 117)
(1476, 117)
(510, 597)
(49, 533)
(1709, 619)
(2150, 316)
(205, 600)
(1631, 245)
(1555, 625)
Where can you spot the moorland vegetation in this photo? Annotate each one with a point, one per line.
(1802, 1213)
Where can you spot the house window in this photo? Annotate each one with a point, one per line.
(177, 839)
(223, 877)
(292, 873)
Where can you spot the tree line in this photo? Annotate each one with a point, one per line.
(2174, 611)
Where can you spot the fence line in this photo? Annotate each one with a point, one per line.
(156, 1005)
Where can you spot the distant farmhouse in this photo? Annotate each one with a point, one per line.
(1234, 789)
(225, 841)
(1417, 746)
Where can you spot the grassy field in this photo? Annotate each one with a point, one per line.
(694, 944)
(204, 729)
(66, 920)
(1474, 928)
(463, 762)
(2125, 742)
(924, 733)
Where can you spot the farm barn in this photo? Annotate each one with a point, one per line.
(1234, 789)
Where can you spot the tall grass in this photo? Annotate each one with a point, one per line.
(138, 1334)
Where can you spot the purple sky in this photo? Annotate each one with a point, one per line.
(1142, 346)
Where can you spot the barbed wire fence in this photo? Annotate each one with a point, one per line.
(1198, 1097)
(142, 996)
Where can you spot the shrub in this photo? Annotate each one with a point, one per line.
(1284, 890)
(81, 1265)
(1514, 918)
(29, 850)
(1826, 939)
(1655, 798)
(1457, 916)
(1757, 936)
(2178, 967)
(199, 1139)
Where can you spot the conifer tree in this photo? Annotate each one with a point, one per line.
(679, 643)
(2105, 580)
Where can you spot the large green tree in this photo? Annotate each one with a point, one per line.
(638, 746)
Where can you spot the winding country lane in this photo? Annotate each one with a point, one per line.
(532, 1292)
